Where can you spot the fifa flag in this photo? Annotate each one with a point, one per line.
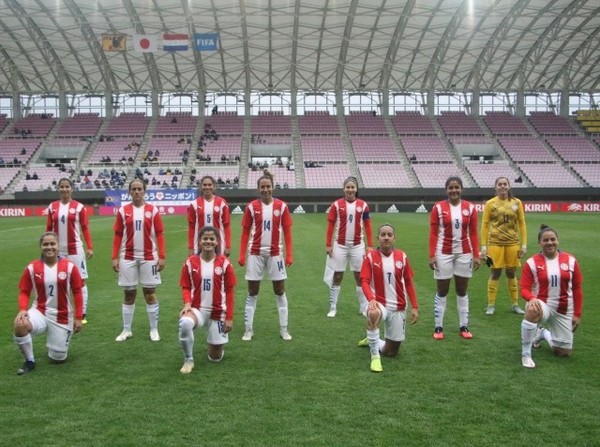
(146, 43)
(206, 41)
(114, 42)
(175, 42)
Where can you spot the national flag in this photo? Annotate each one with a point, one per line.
(206, 41)
(175, 42)
(146, 43)
(114, 42)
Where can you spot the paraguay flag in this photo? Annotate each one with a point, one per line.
(146, 43)
(175, 42)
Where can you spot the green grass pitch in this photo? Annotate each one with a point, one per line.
(316, 390)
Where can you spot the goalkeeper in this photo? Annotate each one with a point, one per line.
(503, 242)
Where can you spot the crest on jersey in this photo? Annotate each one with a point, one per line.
(359, 209)
(62, 275)
(276, 213)
(217, 208)
(399, 264)
(514, 208)
(465, 212)
(72, 210)
(148, 214)
(564, 267)
(218, 270)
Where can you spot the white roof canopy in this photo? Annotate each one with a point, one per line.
(52, 46)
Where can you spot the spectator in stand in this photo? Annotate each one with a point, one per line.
(58, 313)
(348, 222)
(34, 176)
(69, 220)
(207, 282)
(209, 210)
(551, 283)
(266, 223)
(453, 252)
(138, 256)
(503, 242)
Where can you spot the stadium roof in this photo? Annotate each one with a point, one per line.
(52, 46)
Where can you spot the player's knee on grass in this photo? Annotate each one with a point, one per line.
(55, 356)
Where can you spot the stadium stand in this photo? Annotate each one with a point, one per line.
(318, 123)
(503, 123)
(322, 149)
(327, 176)
(34, 125)
(574, 149)
(547, 123)
(589, 172)
(175, 124)
(549, 175)
(365, 123)
(374, 148)
(434, 175)
(458, 123)
(80, 125)
(391, 175)
(526, 149)
(485, 174)
(281, 176)
(412, 123)
(426, 149)
(128, 124)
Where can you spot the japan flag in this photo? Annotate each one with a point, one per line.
(146, 43)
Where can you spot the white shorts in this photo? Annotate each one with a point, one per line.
(342, 255)
(59, 335)
(560, 326)
(453, 265)
(134, 273)
(394, 323)
(215, 329)
(257, 265)
(79, 261)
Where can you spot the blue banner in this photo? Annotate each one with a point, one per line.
(118, 197)
(206, 41)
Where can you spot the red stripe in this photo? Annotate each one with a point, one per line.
(342, 218)
(62, 289)
(128, 223)
(40, 286)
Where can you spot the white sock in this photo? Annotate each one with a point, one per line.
(282, 308)
(127, 310)
(462, 304)
(25, 345)
(152, 310)
(373, 337)
(334, 294)
(84, 295)
(362, 299)
(547, 336)
(250, 309)
(527, 335)
(439, 308)
(186, 337)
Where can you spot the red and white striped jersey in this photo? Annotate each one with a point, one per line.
(209, 285)
(557, 282)
(69, 221)
(214, 213)
(453, 229)
(388, 279)
(53, 288)
(348, 218)
(266, 223)
(138, 233)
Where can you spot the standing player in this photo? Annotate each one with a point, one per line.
(349, 218)
(138, 256)
(551, 285)
(387, 281)
(209, 210)
(267, 222)
(504, 241)
(207, 282)
(55, 281)
(453, 252)
(69, 220)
